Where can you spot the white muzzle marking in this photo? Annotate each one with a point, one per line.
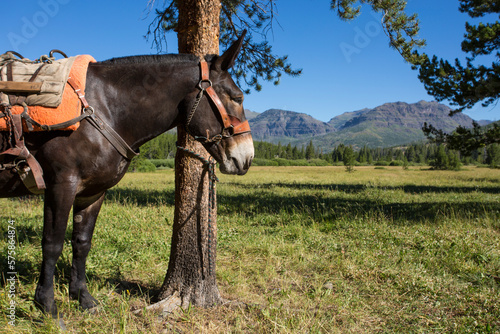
(238, 156)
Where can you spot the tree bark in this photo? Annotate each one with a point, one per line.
(190, 277)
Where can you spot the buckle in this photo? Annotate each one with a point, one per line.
(200, 84)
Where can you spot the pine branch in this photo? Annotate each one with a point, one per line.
(165, 20)
(401, 29)
(465, 86)
(463, 139)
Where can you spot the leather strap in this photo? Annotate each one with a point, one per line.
(107, 131)
(112, 136)
(229, 122)
(78, 90)
(12, 98)
(86, 113)
(205, 73)
(220, 107)
(241, 128)
(34, 180)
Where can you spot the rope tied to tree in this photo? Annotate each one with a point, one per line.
(212, 179)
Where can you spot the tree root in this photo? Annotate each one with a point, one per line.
(165, 306)
(169, 305)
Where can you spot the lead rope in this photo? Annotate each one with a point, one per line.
(206, 139)
(212, 178)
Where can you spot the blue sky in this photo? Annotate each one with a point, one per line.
(346, 66)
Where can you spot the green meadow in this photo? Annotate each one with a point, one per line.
(300, 250)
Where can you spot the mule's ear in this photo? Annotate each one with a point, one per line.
(226, 61)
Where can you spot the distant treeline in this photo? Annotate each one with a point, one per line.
(434, 155)
(160, 152)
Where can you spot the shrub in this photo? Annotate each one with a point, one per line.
(163, 163)
(300, 162)
(145, 166)
(318, 162)
(396, 163)
(264, 162)
(283, 162)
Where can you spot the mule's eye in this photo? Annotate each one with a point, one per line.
(238, 99)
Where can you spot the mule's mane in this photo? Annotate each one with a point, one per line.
(155, 59)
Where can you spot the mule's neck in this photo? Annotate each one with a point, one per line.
(140, 100)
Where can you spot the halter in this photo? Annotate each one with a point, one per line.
(231, 125)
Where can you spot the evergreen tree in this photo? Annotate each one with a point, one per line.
(399, 155)
(389, 155)
(349, 159)
(363, 155)
(410, 154)
(289, 151)
(445, 159)
(338, 153)
(405, 163)
(310, 153)
(370, 158)
(161, 147)
(493, 155)
(441, 159)
(453, 160)
(466, 85)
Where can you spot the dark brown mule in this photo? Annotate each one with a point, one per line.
(140, 98)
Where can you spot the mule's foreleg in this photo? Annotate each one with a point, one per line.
(58, 202)
(85, 214)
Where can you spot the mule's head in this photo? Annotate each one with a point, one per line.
(223, 131)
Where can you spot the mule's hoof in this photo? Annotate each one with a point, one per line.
(89, 304)
(86, 300)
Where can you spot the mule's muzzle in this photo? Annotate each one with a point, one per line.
(238, 155)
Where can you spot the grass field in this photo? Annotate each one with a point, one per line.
(307, 249)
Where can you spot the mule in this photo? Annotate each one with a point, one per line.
(140, 97)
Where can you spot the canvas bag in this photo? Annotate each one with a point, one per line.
(53, 76)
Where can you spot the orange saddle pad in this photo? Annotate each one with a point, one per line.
(70, 106)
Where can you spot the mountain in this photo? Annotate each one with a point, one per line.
(400, 114)
(251, 114)
(340, 120)
(276, 124)
(387, 125)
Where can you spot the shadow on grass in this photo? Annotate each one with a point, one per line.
(328, 209)
(140, 197)
(135, 289)
(356, 188)
(331, 209)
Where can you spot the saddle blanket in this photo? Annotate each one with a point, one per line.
(50, 107)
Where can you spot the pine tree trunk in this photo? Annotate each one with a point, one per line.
(190, 277)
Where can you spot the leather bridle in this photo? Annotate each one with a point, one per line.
(232, 126)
